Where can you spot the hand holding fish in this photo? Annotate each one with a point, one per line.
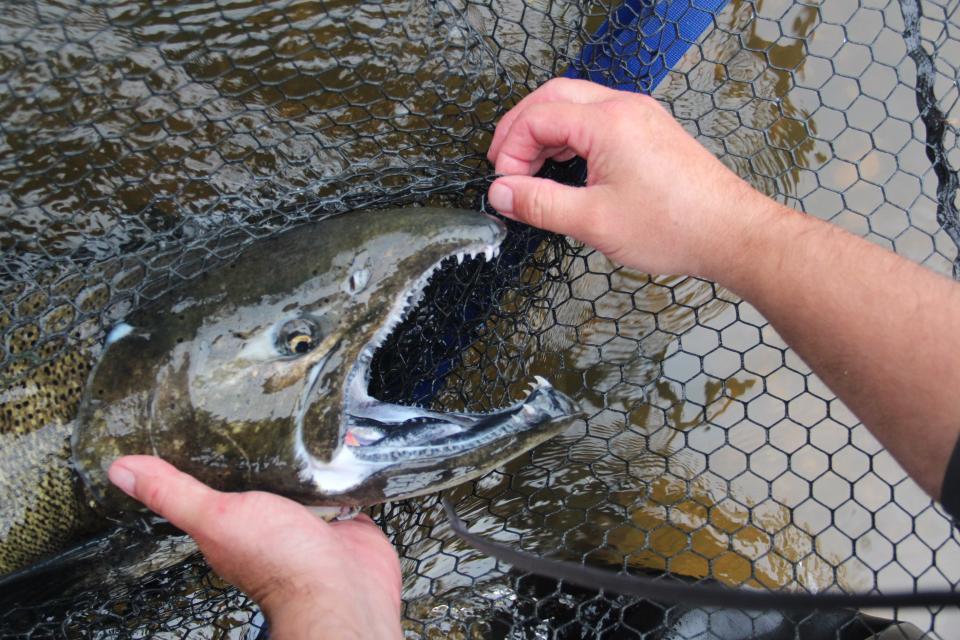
(311, 578)
(877, 328)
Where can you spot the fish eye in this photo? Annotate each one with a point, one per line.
(297, 337)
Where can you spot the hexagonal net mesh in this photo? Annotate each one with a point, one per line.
(141, 142)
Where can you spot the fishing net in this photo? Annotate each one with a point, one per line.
(143, 142)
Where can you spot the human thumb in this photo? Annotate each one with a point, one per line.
(543, 203)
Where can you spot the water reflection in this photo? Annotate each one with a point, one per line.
(127, 119)
(665, 474)
(736, 90)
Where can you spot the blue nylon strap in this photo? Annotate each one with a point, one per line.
(636, 48)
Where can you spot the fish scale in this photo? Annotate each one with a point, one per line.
(42, 508)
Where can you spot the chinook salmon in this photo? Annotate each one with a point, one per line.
(255, 376)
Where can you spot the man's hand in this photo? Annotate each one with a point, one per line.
(655, 199)
(312, 579)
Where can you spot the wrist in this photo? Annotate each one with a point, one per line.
(749, 243)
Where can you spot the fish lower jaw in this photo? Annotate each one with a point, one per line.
(420, 449)
(379, 436)
(364, 413)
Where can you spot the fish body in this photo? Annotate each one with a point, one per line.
(255, 375)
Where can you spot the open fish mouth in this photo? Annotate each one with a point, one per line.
(401, 451)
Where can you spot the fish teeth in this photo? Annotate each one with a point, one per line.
(489, 253)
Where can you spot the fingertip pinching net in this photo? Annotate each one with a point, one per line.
(141, 142)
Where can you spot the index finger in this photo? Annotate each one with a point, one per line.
(557, 125)
(556, 90)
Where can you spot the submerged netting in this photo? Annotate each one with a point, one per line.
(142, 142)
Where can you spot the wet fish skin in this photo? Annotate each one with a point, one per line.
(45, 507)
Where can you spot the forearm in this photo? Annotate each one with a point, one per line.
(312, 616)
(879, 330)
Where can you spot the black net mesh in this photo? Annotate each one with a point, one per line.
(141, 142)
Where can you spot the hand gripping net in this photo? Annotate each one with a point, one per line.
(142, 142)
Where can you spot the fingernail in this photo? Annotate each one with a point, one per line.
(123, 478)
(500, 197)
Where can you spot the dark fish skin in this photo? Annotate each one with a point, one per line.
(199, 379)
(44, 506)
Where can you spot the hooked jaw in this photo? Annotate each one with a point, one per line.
(391, 452)
(407, 456)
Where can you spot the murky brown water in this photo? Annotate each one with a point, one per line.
(709, 449)
(137, 115)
